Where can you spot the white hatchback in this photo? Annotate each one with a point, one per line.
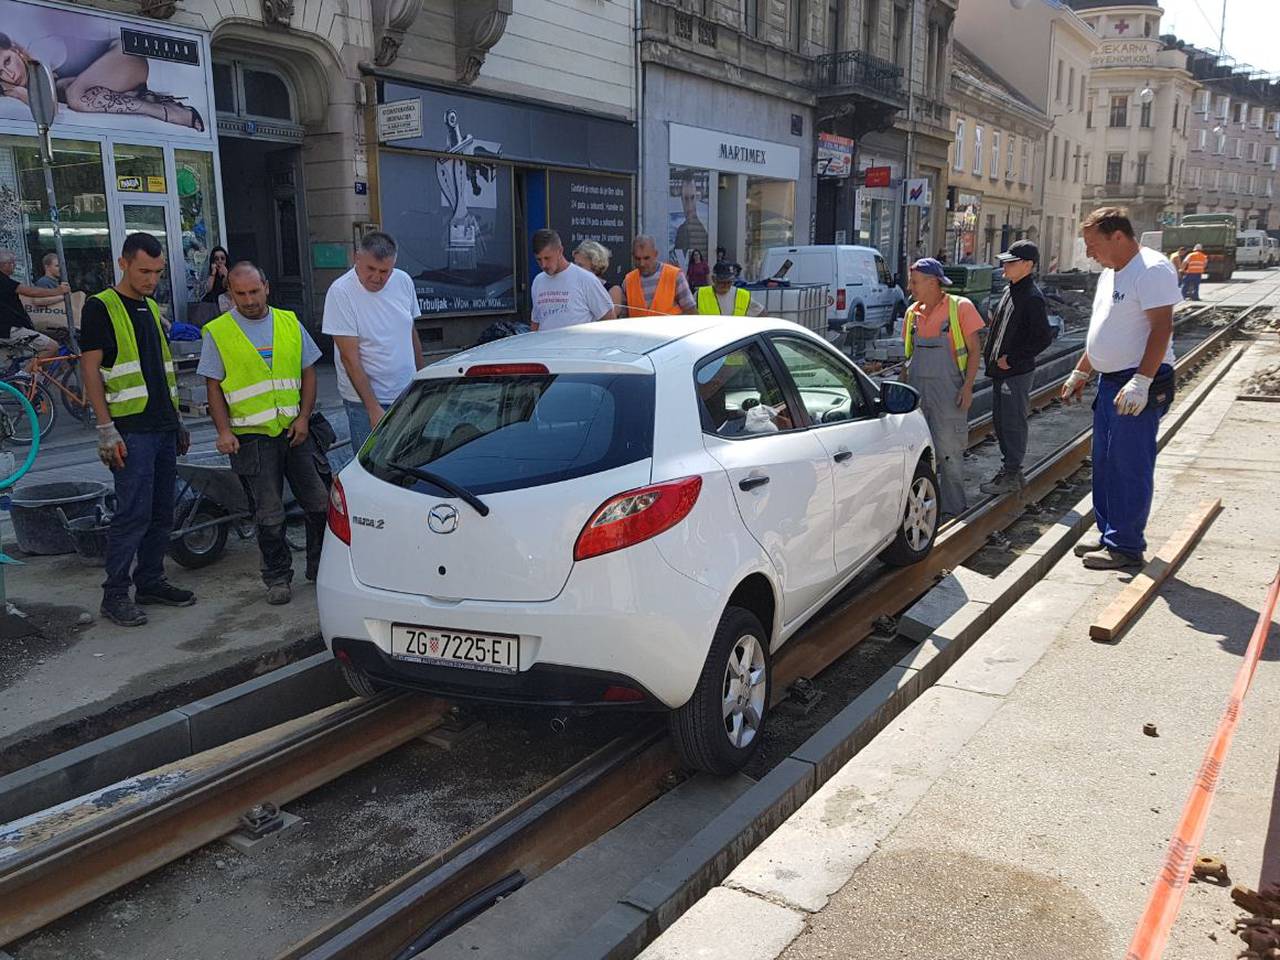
(636, 513)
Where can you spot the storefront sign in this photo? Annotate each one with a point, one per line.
(878, 176)
(835, 156)
(730, 153)
(400, 120)
(171, 63)
(585, 206)
(329, 256)
(1126, 53)
(917, 193)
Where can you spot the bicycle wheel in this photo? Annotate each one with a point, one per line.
(41, 401)
(73, 398)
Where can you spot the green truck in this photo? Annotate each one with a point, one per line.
(1216, 232)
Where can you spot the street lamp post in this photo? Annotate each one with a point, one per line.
(43, 99)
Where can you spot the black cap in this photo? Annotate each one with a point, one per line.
(1021, 250)
(724, 270)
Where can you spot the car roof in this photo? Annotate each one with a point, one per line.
(824, 247)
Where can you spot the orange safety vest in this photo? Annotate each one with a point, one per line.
(664, 298)
(1195, 263)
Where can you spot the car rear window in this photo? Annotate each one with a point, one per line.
(490, 434)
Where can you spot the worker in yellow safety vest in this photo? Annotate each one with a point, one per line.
(130, 382)
(258, 365)
(940, 336)
(722, 299)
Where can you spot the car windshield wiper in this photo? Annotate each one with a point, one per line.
(462, 493)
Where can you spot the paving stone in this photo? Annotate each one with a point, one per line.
(728, 925)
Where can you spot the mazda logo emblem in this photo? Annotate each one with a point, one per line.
(442, 519)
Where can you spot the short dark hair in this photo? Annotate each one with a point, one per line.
(140, 242)
(545, 238)
(1109, 220)
(248, 265)
(378, 244)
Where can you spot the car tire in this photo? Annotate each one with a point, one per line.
(919, 527)
(358, 680)
(702, 733)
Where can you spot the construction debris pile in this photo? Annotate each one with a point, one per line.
(1261, 931)
(1265, 382)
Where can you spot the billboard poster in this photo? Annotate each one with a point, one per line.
(688, 214)
(452, 220)
(586, 206)
(835, 155)
(111, 74)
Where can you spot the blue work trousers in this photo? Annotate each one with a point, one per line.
(1124, 466)
(143, 519)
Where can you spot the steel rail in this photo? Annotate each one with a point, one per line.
(409, 914)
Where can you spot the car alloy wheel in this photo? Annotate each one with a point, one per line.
(744, 691)
(922, 513)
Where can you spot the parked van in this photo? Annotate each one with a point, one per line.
(862, 291)
(1152, 239)
(1273, 252)
(1251, 249)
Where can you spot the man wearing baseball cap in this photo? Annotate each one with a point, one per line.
(722, 299)
(1019, 332)
(940, 339)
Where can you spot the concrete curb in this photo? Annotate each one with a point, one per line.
(283, 694)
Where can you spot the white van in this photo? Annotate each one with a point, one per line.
(1152, 239)
(1251, 249)
(861, 289)
(1273, 252)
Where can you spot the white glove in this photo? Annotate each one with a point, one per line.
(110, 445)
(1132, 398)
(1075, 381)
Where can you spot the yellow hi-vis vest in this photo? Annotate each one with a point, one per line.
(958, 348)
(261, 399)
(709, 303)
(126, 387)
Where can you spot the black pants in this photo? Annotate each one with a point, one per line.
(263, 464)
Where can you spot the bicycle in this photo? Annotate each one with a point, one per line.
(30, 374)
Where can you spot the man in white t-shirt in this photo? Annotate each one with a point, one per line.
(1130, 345)
(563, 293)
(370, 311)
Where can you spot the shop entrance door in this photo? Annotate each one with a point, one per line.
(153, 217)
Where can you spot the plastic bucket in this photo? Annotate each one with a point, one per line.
(35, 508)
(89, 535)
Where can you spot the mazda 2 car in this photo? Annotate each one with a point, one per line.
(635, 513)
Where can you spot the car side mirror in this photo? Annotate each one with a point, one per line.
(898, 397)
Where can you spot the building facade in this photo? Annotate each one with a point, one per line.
(1233, 158)
(1049, 67)
(993, 197)
(1138, 112)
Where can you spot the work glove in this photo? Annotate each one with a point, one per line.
(111, 448)
(1074, 385)
(1132, 398)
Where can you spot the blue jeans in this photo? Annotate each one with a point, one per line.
(1124, 467)
(358, 422)
(144, 512)
(1191, 286)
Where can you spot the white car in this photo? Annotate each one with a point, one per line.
(633, 513)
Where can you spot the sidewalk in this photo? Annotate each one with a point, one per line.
(1017, 809)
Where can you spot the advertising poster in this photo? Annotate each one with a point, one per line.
(835, 156)
(586, 206)
(110, 75)
(688, 215)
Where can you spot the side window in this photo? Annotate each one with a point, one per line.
(883, 272)
(828, 388)
(738, 395)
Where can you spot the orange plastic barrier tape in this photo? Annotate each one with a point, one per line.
(1171, 883)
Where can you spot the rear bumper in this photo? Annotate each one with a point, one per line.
(624, 619)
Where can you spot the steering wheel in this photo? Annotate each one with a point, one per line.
(30, 412)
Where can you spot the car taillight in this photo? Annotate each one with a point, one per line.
(507, 370)
(616, 694)
(635, 516)
(840, 301)
(339, 519)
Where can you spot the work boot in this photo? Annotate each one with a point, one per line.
(164, 592)
(122, 611)
(1005, 481)
(1109, 559)
(1088, 545)
(279, 594)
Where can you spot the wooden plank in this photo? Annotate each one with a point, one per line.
(1141, 588)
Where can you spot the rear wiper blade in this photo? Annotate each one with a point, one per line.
(462, 493)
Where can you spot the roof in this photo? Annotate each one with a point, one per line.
(966, 62)
(1102, 4)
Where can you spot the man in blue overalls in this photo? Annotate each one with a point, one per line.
(1130, 344)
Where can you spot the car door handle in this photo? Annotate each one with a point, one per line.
(750, 483)
(842, 456)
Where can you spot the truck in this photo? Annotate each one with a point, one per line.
(1215, 232)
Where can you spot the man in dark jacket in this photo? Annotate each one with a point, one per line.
(1019, 332)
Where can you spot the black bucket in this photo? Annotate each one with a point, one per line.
(89, 535)
(35, 509)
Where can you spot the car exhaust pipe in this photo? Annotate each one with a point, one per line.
(559, 723)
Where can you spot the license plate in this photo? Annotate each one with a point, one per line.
(456, 648)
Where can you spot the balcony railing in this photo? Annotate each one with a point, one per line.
(858, 71)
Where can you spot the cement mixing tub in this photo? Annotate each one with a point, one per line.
(35, 508)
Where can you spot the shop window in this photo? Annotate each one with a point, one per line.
(198, 213)
(140, 169)
(80, 188)
(771, 216)
(688, 215)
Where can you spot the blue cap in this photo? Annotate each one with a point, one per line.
(931, 267)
